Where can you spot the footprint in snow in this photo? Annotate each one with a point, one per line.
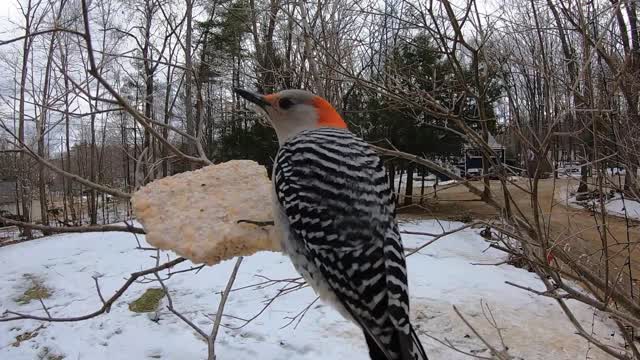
(117, 331)
(153, 353)
(252, 335)
(296, 349)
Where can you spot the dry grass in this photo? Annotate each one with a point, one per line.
(147, 302)
(36, 290)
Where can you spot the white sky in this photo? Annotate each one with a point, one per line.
(9, 15)
(11, 21)
(9, 28)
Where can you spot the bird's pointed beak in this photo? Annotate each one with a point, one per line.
(253, 97)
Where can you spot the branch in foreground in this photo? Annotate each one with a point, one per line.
(106, 306)
(501, 355)
(73, 229)
(436, 237)
(435, 167)
(139, 117)
(41, 32)
(571, 293)
(211, 339)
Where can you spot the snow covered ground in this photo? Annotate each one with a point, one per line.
(617, 206)
(573, 171)
(614, 206)
(441, 275)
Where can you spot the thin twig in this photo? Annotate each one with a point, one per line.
(95, 279)
(105, 307)
(216, 325)
(45, 308)
(497, 354)
(436, 238)
(72, 229)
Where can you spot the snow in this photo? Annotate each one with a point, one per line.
(400, 185)
(573, 171)
(441, 275)
(615, 205)
(569, 172)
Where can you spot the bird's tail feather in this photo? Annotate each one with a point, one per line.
(375, 352)
(402, 347)
(417, 345)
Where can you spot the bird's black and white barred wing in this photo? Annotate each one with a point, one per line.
(334, 192)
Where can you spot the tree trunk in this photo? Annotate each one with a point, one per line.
(23, 166)
(578, 98)
(391, 167)
(584, 176)
(148, 99)
(408, 196)
(424, 171)
(399, 191)
(41, 126)
(188, 78)
(630, 176)
(69, 184)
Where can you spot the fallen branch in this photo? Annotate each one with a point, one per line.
(72, 229)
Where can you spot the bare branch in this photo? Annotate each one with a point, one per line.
(106, 306)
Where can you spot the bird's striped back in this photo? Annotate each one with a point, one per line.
(341, 213)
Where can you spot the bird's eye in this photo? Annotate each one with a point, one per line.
(285, 103)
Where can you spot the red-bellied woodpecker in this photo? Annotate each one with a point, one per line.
(334, 205)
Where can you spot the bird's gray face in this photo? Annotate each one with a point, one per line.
(292, 111)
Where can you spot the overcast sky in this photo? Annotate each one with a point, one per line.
(8, 13)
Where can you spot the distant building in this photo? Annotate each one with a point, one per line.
(7, 191)
(472, 164)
